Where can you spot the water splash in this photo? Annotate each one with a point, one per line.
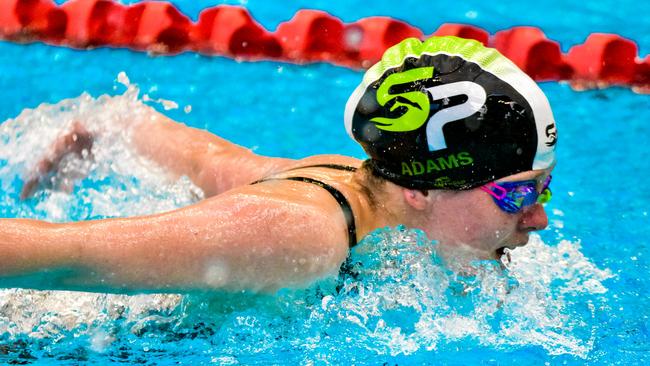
(398, 299)
(119, 182)
(406, 300)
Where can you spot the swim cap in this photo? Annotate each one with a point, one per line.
(449, 113)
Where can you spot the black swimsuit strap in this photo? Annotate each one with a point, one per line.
(338, 196)
(331, 166)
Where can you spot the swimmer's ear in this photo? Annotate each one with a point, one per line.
(417, 199)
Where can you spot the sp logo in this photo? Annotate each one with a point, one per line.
(416, 102)
(476, 98)
(417, 105)
(551, 135)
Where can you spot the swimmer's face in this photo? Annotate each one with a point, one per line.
(470, 225)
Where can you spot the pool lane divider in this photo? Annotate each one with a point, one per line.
(310, 36)
(230, 30)
(463, 31)
(529, 48)
(368, 38)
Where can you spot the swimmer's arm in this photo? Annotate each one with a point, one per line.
(31, 254)
(218, 244)
(214, 164)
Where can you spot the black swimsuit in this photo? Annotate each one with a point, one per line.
(338, 196)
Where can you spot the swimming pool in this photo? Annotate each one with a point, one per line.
(577, 294)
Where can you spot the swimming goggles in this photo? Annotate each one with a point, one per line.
(511, 197)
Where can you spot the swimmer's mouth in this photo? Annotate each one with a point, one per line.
(507, 249)
(501, 252)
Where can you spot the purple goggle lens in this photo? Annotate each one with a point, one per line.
(511, 197)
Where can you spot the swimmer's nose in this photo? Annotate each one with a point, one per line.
(533, 218)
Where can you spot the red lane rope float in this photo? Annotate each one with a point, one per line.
(230, 30)
(604, 58)
(642, 77)
(96, 23)
(535, 54)
(161, 27)
(367, 38)
(463, 31)
(24, 20)
(310, 36)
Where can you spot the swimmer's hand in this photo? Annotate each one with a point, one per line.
(77, 141)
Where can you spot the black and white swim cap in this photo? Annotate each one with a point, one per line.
(449, 113)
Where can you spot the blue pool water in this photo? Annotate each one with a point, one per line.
(576, 294)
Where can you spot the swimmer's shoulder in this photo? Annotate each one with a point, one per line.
(313, 181)
(277, 227)
(324, 184)
(284, 211)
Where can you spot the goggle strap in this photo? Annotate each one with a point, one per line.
(502, 191)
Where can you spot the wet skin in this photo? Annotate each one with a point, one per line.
(241, 236)
(471, 222)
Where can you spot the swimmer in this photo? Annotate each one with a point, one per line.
(461, 145)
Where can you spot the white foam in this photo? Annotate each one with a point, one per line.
(529, 306)
(120, 183)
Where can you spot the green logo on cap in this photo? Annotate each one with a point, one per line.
(415, 102)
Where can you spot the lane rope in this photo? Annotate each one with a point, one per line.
(310, 36)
